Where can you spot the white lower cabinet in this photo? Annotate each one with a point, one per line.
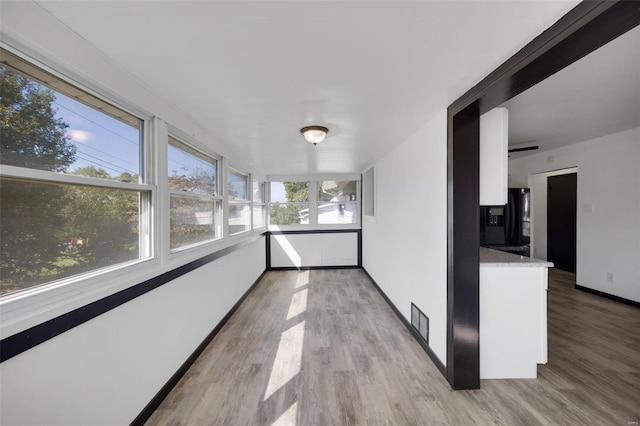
(513, 321)
(314, 249)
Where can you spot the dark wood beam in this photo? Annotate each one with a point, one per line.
(587, 27)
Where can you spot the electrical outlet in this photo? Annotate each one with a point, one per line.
(611, 277)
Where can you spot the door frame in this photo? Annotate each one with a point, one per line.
(585, 28)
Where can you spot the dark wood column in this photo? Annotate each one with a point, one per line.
(463, 350)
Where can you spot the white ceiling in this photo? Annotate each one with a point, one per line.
(595, 96)
(253, 73)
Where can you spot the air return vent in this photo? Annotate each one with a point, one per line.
(420, 322)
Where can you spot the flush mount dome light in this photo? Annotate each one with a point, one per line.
(314, 134)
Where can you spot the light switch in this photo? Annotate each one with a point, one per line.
(587, 208)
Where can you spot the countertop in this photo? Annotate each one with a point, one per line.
(496, 258)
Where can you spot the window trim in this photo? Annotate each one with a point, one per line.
(23, 173)
(146, 192)
(193, 149)
(34, 70)
(34, 305)
(72, 88)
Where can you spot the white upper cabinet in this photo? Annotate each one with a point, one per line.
(494, 126)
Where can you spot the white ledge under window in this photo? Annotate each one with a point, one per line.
(311, 228)
(28, 308)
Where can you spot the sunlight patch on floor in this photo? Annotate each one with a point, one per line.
(298, 304)
(288, 418)
(302, 279)
(288, 359)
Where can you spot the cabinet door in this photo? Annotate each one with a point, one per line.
(494, 140)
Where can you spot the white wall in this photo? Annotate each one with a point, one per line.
(105, 371)
(608, 216)
(405, 245)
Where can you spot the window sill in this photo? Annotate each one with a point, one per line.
(310, 228)
(29, 308)
(34, 306)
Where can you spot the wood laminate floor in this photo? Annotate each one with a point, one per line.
(323, 348)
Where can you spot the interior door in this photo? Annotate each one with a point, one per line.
(561, 221)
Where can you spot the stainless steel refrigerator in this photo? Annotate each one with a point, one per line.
(508, 227)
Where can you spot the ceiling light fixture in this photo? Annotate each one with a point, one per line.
(314, 134)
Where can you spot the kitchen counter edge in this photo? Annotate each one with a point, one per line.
(496, 258)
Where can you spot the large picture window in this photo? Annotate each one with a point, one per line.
(322, 204)
(194, 211)
(72, 195)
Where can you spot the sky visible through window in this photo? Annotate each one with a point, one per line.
(108, 143)
(101, 140)
(238, 186)
(187, 164)
(278, 193)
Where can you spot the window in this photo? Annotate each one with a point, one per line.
(318, 203)
(194, 211)
(368, 193)
(239, 216)
(72, 195)
(289, 203)
(259, 210)
(337, 202)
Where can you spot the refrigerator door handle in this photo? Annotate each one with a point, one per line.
(513, 221)
(507, 220)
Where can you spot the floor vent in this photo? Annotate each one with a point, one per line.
(420, 322)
